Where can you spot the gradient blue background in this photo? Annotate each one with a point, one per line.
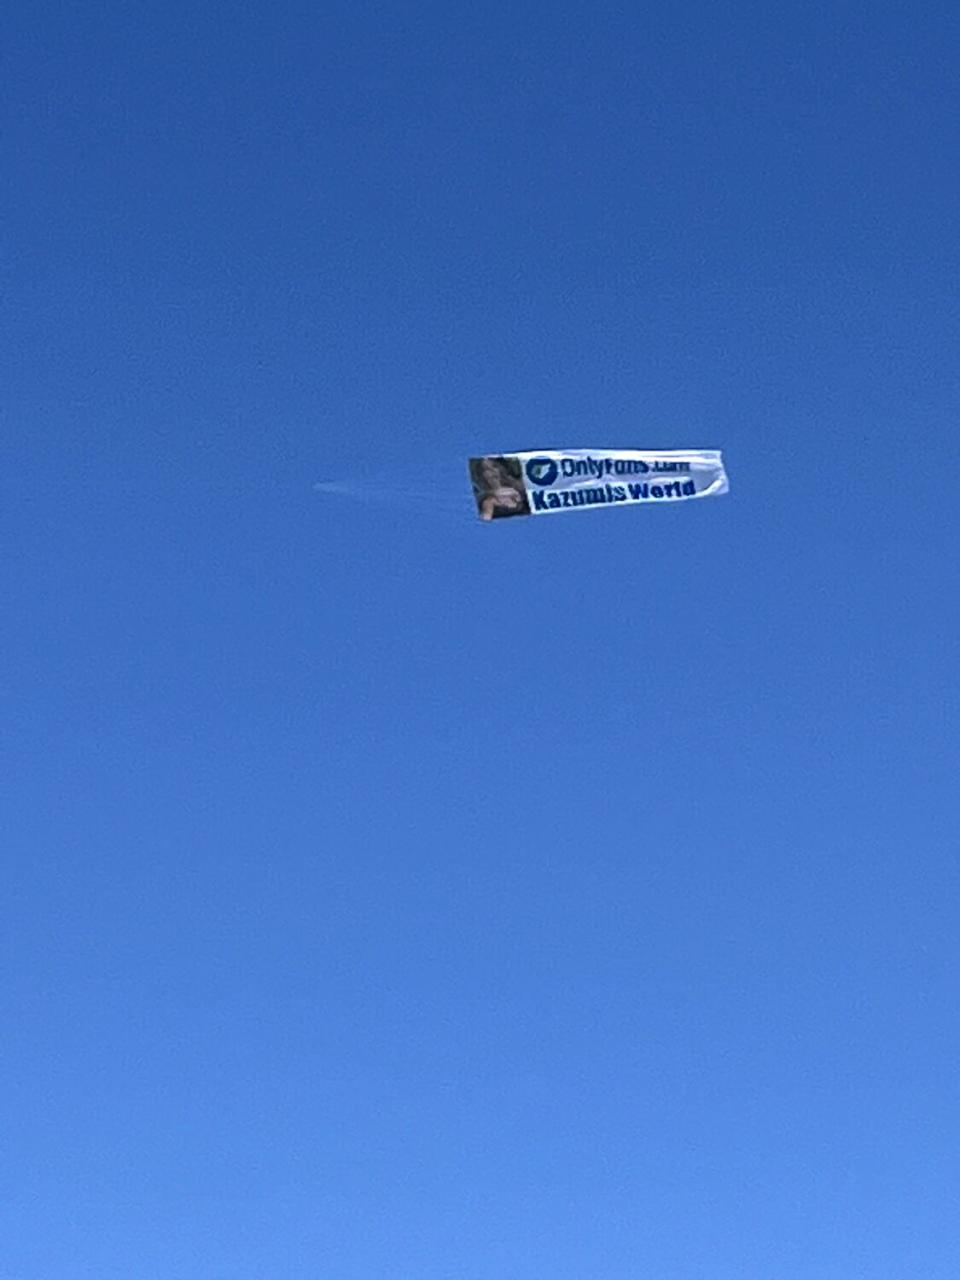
(386, 895)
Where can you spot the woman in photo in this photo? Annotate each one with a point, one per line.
(499, 493)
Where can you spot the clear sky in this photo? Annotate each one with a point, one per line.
(387, 896)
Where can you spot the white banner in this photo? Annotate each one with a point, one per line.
(519, 484)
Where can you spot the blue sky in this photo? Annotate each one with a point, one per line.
(386, 895)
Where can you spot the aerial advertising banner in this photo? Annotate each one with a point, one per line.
(524, 484)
